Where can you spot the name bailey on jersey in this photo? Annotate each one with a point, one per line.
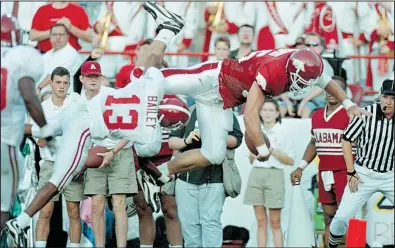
(152, 112)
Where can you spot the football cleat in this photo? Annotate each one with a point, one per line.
(150, 190)
(164, 18)
(18, 235)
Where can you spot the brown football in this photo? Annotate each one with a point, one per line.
(94, 160)
(251, 146)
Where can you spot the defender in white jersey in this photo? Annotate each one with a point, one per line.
(21, 67)
(131, 113)
(109, 120)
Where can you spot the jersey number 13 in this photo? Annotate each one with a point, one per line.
(120, 123)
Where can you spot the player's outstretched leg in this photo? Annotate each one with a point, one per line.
(74, 152)
(169, 24)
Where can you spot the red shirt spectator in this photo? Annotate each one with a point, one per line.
(72, 16)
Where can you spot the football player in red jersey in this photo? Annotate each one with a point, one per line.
(328, 124)
(219, 86)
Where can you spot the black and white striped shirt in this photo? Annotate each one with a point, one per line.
(374, 137)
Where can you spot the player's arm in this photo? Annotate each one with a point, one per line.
(254, 103)
(330, 86)
(309, 154)
(33, 105)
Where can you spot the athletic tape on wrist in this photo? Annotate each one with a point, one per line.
(303, 164)
(263, 150)
(347, 103)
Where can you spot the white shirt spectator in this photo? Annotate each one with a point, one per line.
(280, 141)
(66, 57)
(50, 112)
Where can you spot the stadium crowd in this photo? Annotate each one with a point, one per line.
(76, 39)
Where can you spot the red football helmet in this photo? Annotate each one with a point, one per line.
(173, 112)
(304, 68)
(10, 35)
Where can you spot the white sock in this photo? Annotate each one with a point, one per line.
(146, 246)
(164, 169)
(164, 179)
(74, 245)
(23, 220)
(165, 36)
(41, 244)
(175, 246)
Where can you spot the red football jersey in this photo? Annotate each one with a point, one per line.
(328, 133)
(267, 68)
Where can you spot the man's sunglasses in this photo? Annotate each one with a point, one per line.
(311, 44)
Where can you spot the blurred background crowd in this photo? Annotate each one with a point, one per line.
(222, 29)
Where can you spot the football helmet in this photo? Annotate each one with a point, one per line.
(173, 113)
(10, 33)
(304, 68)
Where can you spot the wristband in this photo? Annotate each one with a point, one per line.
(347, 103)
(303, 164)
(263, 150)
(351, 173)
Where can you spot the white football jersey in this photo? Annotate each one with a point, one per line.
(16, 63)
(129, 113)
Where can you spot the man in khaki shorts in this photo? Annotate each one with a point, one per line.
(73, 193)
(116, 177)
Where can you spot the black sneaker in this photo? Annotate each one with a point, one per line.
(18, 235)
(164, 18)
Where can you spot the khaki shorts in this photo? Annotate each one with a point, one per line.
(119, 177)
(265, 187)
(74, 192)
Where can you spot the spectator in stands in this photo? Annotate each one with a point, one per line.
(72, 16)
(227, 26)
(61, 54)
(246, 37)
(266, 185)
(74, 193)
(222, 48)
(305, 104)
(200, 194)
(128, 24)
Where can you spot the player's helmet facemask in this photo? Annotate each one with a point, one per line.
(304, 68)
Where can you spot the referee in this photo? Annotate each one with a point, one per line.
(373, 168)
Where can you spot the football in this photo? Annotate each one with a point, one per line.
(94, 160)
(173, 112)
(251, 146)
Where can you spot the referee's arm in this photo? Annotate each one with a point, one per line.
(350, 135)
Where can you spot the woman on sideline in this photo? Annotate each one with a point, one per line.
(266, 186)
